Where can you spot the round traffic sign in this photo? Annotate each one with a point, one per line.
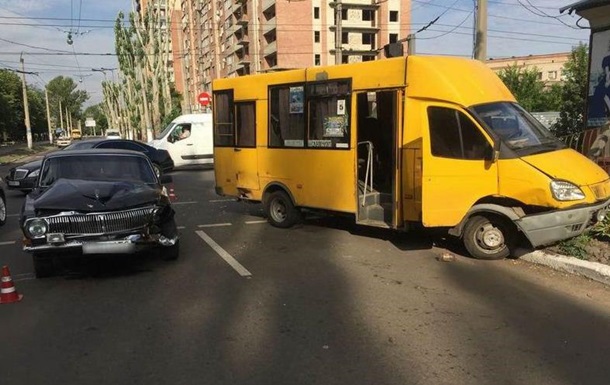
(204, 98)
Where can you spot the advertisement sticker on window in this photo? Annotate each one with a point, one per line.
(334, 126)
(296, 100)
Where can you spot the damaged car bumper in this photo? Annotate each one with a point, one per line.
(124, 245)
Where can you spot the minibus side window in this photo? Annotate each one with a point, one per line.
(329, 109)
(245, 124)
(454, 135)
(287, 116)
(224, 130)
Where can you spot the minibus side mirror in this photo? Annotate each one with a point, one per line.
(492, 153)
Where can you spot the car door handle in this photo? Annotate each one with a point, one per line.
(237, 149)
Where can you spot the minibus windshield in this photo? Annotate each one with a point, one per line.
(167, 129)
(517, 128)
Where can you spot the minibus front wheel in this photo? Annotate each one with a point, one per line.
(280, 210)
(488, 237)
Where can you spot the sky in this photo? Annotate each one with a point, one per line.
(37, 30)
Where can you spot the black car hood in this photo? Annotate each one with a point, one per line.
(29, 166)
(91, 196)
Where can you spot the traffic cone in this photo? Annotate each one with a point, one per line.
(8, 293)
(172, 193)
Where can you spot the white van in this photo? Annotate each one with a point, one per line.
(188, 139)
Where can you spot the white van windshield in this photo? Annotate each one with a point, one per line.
(167, 129)
(517, 128)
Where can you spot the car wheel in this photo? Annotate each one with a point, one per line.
(2, 210)
(157, 169)
(280, 210)
(488, 237)
(43, 265)
(170, 253)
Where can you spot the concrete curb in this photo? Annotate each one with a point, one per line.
(596, 271)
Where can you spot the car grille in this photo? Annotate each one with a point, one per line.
(100, 223)
(18, 174)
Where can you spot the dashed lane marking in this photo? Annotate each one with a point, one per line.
(224, 255)
(222, 200)
(7, 243)
(215, 225)
(255, 222)
(183, 203)
(181, 227)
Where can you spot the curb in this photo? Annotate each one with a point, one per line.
(593, 270)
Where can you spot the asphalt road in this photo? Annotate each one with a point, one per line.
(326, 302)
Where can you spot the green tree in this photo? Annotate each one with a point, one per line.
(525, 86)
(38, 113)
(96, 112)
(574, 93)
(63, 89)
(12, 126)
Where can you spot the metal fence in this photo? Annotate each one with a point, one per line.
(592, 143)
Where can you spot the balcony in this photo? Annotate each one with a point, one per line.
(267, 4)
(243, 40)
(232, 29)
(270, 49)
(244, 19)
(269, 25)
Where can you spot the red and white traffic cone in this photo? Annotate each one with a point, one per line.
(8, 293)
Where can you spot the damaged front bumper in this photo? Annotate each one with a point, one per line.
(125, 245)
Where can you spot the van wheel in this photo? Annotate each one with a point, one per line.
(281, 211)
(488, 237)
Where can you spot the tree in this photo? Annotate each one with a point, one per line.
(574, 93)
(525, 86)
(12, 124)
(63, 89)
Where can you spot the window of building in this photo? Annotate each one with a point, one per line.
(369, 38)
(345, 59)
(368, 15)
(344, 37)
(454, 135)
(287, 116)
(245, 124)
(552, 75)
(224, 130)
(393, 15)
(317, 59)
(328, 107)
(393, 38)
(368, 58)
(316, 36)
(343, 14)
(539, 75)
(316, 12)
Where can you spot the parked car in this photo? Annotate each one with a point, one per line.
(95, 202)
(24, 177)
(63, 141)
(2, 206)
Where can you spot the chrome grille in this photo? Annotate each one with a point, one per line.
(100, 223)
(18, 174)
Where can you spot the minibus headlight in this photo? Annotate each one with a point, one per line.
(566, 191)
(37, 227)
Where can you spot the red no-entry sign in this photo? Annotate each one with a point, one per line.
(204, 98)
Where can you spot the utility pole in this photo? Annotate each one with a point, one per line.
(338, 32)
(61, 116)
(411, 44)
(28, 129)
(480, 45)
(46, 98)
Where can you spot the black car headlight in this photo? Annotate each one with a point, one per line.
(34, 174)
(36, 227)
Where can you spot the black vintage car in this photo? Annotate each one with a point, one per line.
(24, 177)
(91, 202)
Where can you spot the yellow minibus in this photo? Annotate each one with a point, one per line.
(438, 141)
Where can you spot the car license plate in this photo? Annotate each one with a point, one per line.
(13, 183)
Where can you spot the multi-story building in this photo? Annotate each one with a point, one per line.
(549, 66)
(227, 38)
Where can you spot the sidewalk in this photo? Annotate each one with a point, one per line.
(18, 152)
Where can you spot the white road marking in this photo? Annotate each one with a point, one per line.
(222, 200)
(7, 243)
(254, 222)
(181, 227)
(215, 225)
(183, 203)
(13, 215)
(224, 255)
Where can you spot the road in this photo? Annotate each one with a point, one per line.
(326, 302)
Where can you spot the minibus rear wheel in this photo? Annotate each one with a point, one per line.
(280, 210)
(488, 237)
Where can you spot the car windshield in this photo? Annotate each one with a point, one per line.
(517, 128)
(167, 129)
(97, 168)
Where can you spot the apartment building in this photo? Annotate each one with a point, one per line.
(549, 66)
(228, 38)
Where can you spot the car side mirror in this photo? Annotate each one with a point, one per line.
(492, 153)
(171, 138)
(166, 179)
